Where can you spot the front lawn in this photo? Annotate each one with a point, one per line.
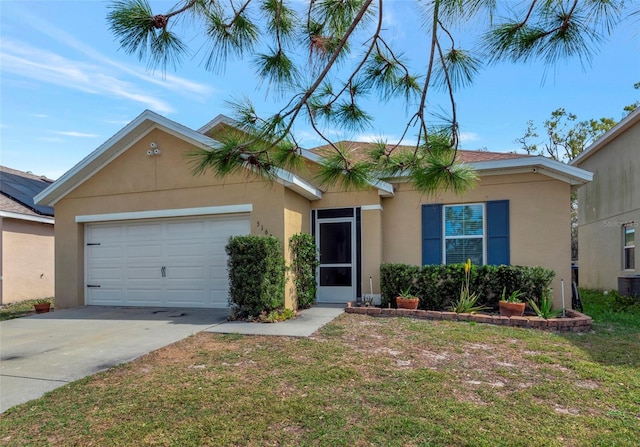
(360, 381)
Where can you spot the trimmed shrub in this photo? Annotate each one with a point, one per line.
(303, 267)
(256, 275)
(438, 286)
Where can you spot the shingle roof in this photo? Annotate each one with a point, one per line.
(360, 150)
(17, 190)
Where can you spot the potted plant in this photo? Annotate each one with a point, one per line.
(511, 305)
(42, 306)
(407, 301)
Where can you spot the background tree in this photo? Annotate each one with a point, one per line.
(565, 138)
(323, 58)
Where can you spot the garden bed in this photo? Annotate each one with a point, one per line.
(573, 322)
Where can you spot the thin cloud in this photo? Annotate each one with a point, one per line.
(466, 137)
(51, 68)
(168, 81)
(39, 115)
(71, 133)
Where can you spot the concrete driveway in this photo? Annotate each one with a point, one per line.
(43, 352)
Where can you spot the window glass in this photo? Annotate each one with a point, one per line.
(464, 233)
(629, 250)
(463, 220)
(629, 236)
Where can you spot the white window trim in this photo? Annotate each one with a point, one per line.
(625, 246)
(484, 230)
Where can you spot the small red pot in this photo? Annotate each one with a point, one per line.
(508, 309)
(407, 303)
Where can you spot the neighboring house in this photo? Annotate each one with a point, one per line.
(135, 227)
(609, 207)
(26, 241)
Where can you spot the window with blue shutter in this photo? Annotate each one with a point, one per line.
(453, 233)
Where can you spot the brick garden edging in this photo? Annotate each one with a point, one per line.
(576, 321)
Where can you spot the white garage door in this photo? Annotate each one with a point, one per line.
(161, 262)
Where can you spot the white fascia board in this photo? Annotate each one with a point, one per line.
(157, 214)
(542, 165)
(29, 217)
(113, 147)
(384, 189)
(220, 119)
(605, 139)
(298, 185)
(371, 207)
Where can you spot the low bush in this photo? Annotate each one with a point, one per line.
(624, 303)
(438, 286)
(256, 275)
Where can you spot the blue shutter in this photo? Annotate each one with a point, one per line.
(498, 232)
(431, 234)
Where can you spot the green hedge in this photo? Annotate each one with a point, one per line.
(303, 267)
(256, 275)
(438, 286)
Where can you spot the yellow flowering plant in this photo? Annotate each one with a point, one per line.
(467, 302)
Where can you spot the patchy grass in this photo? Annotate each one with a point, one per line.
(19, 309)
(360, 381)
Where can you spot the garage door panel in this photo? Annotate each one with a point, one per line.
(188, 250)
(105, 273)
(128, 262)
(187, 297)
(186, 272)
(142, 296)
(143, 231)
(144, 273)
(111, 232)
(144, 251)
(104, 252)
(107, 296)
(217, 273)
(219, 298)
(186, 230)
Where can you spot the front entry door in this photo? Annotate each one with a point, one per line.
(337, 271)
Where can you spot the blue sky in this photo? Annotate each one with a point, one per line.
(65, 87)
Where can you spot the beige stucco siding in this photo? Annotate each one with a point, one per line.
(605, 204)
(136, 182)
(539, 213)
(296, 220)
(27, 260)
(372, 255)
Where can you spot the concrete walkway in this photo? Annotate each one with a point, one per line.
(306, 323)
(43, 352)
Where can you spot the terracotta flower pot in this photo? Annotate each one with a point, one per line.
(407, 303)
(42, 308)
(508, 309)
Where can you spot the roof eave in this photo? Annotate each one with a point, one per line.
(27, 217)
(610, 135)
(220, 119)
(537, 165)
(296, 184)
(572, 175)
